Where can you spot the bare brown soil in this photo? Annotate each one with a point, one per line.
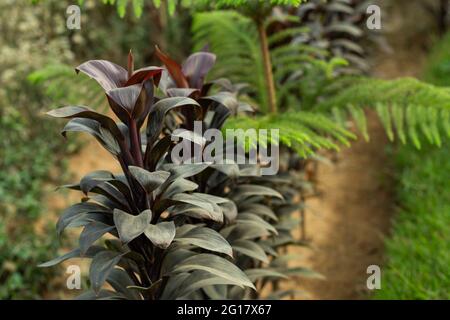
(347, 224)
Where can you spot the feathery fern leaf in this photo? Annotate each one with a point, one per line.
(232, 37)
(406, 107)
(305, 132)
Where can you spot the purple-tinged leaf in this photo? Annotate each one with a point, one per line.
(75, 211)
(183, 92)
(126, 98)
(121, 282)
(93, 128)
(86, 113)
(130, 64)
(109, 75)
(102, 265)
(129, 226)
(144, 74)
(156, 117)
(161, 234)
(145, 103)
(149, 180)
(197, 66)
(206, 238)
(91, 233)
(75, 253)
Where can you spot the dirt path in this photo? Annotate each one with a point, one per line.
(348, 223)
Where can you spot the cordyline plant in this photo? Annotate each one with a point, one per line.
(158, 244)
(261, 222)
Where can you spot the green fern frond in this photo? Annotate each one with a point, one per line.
(234, 39)
(406, 107)
(304, 132)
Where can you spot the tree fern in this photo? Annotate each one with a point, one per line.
(138, 5)
(407, 107)
(305, 132)
(234, 38)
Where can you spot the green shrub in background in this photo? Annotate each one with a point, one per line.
(418, 251)
(437, 70)
(27, 150)
(25, 162)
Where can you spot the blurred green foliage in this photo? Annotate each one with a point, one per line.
(437, 70)
(419, 249)
(28, 150)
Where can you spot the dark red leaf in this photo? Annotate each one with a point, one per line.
(196, 67)
(143, 74)
(173, 68)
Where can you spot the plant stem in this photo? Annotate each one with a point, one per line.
(135, 143)
(270, 84)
